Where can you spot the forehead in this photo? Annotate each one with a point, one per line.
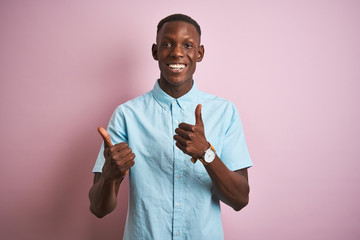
(178, 29)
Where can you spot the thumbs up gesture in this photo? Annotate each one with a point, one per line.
(191, 138)
(119, 158)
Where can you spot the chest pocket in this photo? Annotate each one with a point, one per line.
(198, 172)
(159, 153)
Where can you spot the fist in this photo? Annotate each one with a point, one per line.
(118, 160)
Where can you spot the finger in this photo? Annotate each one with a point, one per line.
(180, 146)
(179, 139)
(127, 166)
(124, 160)
(106, 136)
(182, 133)
(123, 153)
(119, 147)
(186, 127)
(198, 118)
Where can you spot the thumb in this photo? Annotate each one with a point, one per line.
(106, 136)
(198, 118)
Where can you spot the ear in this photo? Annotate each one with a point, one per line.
(201, 52)
(154, 51)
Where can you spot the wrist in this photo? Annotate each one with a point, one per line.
(111, 180)
(209, 155)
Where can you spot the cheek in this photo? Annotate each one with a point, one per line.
(164, 52)
(193, 56)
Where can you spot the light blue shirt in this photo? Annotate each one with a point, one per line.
(170, 197)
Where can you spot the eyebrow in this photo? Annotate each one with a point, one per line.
(170, 38)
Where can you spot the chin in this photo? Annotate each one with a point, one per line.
(176, 81)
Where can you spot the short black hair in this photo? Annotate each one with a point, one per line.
(179, 17)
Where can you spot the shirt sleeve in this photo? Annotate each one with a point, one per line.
(235, 153)
(117, 131)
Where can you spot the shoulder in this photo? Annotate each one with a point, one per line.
(136, 103)
(216, 102)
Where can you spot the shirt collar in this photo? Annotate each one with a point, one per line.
(166, 100)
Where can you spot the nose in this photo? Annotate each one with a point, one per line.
(177, 51)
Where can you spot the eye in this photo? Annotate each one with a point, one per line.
(188, 45)
(166, 44)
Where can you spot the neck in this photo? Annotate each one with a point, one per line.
(175, 91)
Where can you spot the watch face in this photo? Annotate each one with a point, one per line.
(209, 155)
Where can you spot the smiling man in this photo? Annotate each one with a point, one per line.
(184, 149)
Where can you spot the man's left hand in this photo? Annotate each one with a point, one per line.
(191, 138)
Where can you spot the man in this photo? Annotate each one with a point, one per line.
(160, 136)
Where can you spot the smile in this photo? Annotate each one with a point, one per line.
(177, 66)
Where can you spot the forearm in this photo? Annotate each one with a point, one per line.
(230, 187)
(103, 196)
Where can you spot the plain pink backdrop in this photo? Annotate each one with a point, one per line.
(291, 67)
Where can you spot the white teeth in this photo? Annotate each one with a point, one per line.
(177, 66)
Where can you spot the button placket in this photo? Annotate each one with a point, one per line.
(178, 181)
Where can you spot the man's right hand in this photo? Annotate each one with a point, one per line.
(119, 158)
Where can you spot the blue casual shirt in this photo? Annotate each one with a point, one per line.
(170, 197)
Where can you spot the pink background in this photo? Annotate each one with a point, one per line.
(291, 67)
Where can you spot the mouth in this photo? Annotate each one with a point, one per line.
(176, 67)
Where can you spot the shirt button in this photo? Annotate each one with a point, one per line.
(178, 204)
(176, 121)
(177, 233)
(177, 176)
